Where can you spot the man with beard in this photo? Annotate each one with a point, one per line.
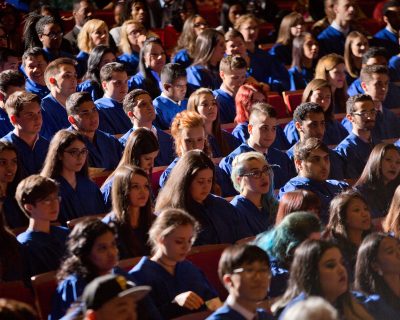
(357, 146)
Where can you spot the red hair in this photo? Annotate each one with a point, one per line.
(243, 101)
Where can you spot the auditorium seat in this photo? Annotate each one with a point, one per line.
(44, 285)
(292, 99)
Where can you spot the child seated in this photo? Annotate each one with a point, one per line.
(43, 244)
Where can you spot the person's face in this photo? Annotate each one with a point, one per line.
(134, 31)
(250, 283)
(143, 109)
(139, 191)
(263, 131)
(155, 57)
(313, 126)
(208, 107)
(121, 308)
(358, 216)
(201, 185)
(390, 165)
(11, 63)
(219, 51)
(176, 245)
(364, 115)
(332, 274)
(51, 37)
(323, 97)
(199, 25)
(66, 80)
(388, 257)
(104, 253)
(107, 58)
(251, 182)
(359, 46)
(146, 161)
(393, 17)
(74, 156)
(138, 12)
(329, 11)
(345, 10)
(3, 38)
(249, 30)
(177, 90)
(296, 30)
(234, 12)
(117, 87)
(192, 138)
(236, 46)
(337, 76)
(377, 60)
(87, 119)
(46, 209)
(99, 36)
(34, 68)
(233, 79)
(84, 13)
(377, 87)
(29, 119)
(316, 166)
(8, 166)
(310, 48)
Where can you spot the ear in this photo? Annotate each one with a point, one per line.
(53, 81)
(130, 114)
(227, 281)
(167, 86)
(250, 128)
(364, 86)
(71, 120)
(385, 19)
(349, 117)
(90, 315)
(222, 75)
(28, 207)
(104, 85)
(298, 126)
(299, 164)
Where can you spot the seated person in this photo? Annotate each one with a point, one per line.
(9, 59)
(43, 244)
(232, 70)
(311, 158)
(34, 64)
(262, 130)
(139, 109)
(61, 79)
(24, 111)
(104, 150)
(309, 120)
(10, 82)
(172, 99)
(114, 81)
(239, 267)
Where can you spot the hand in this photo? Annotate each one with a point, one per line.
(189, 300)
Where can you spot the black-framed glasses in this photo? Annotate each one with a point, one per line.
(76, 153)
(366, 114)
(267, 170)
(53, 35)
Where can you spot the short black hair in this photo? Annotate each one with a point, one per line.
(10, 78)
(75, 100)
(33, 52)
(172, 72)
(389, 4)
(374, 52)
(303, 148)
(302, 111)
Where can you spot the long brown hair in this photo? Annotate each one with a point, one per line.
(291, 20)
(352, 69)
(314, 85)
(392, 220)
(187, 39)
(206, 43)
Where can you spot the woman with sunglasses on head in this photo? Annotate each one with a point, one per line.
(66, 162)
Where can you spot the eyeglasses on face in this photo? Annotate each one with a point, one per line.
(76, 153)
(53, 35)
(267, 170)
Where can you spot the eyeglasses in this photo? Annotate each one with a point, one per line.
(76, 153)
(48, 201)
(53, 35)
(366, 114)
(267, 170)
(250, 272)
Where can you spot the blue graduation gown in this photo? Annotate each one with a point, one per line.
(54, 115)
(166, 154)
(90, 87)
(131, 62)
(377, 306)
(227, 313)
(5, 124)
(394, 68)
(32, 159)
(300, 79)
(43, 251)
(82, 58)
(355, 153)
(282, 52)
(221, 178)
(337, 164)
(355, 88)
(331, 41)
(182, 57)
(226, 103)
(241, 132)
(13, 214)
(325, 190)
(233, 143)
(166, 110)
(268, 69)
(200, 77)
(61, 54)
(279, 279)
(165, 286)
(104, 152)
(138, 81)
(106, 193)
(36, 88)
(74, 203)
(388, 40)
(282, 172)
(113, 119)
(301, 297)
(258, 220)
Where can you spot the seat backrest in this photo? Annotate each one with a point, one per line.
(16, 290)
(228, 126)
(155, 178)
(98, 175)
(128, 264)
(292, 99)
(207, 258)
(277, 102)
(44, 285)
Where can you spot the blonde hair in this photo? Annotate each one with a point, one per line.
(124, 44)
(84, 40)
(348, 54)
